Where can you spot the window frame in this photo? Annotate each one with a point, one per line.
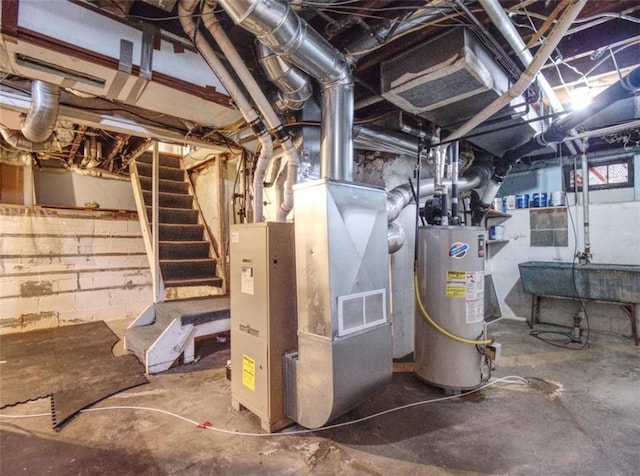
(627, 159)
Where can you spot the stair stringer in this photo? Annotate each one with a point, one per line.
(175, 340)
(145, 226)
(214, 253)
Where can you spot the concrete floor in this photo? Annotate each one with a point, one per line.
(579, 415)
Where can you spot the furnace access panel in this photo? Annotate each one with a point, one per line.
(263, 317)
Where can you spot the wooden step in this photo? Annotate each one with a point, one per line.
(193, 282)
(165, 160)
(174, 216)
(171, 232)
(165, 173)
(168, 186)
(188, 268)
(170, 200)
(172, 250)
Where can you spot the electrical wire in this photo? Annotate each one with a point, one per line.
(438, 327)
(507, 379)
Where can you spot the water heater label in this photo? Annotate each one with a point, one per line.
(456, 284)
(475, 310)
(475, 296)
(248, 372)
(475, 284)
(458, 250)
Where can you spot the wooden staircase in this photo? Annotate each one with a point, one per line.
(188, 260)
(190, 278)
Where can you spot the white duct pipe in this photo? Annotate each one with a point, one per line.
(278, 27)
(503, 23)
(186, 8)
(271, 118)
(395, 237)
(528, 76)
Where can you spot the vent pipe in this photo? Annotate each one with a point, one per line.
(35, 134)
(503, 23)
(264, 105)
(402, 195)
(186, 9)
(294, 87)
(279, 28)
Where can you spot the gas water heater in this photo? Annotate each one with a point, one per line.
(451, 287)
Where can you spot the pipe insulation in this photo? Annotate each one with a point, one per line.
(186, 9)
(279, 28)
(264, 105)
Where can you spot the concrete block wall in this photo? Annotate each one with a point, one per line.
(615, 228)
(60, 267)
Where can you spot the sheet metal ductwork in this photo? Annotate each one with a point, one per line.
(294, 87)
(35, 134)
(402, 195)
(344, 334)
(559, 130)
(279, 28)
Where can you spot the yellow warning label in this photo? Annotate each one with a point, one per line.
(457, 276)
(248, 372)
(456, 291)
(456, 284)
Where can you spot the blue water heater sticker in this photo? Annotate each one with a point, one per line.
(458, 250)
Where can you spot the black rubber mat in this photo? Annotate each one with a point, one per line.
(72, 365)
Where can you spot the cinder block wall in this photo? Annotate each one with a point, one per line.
(60, 267)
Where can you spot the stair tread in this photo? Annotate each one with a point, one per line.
(146, 165)
(176, 194)
(181, 283)
(175, 186)
(148, 159)
(188, 260)
(190, 311)
(149, 207)
(171, 174)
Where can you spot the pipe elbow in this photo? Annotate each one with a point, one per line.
(395, 237)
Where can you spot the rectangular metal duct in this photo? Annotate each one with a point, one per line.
(344, 334)
(448, 80)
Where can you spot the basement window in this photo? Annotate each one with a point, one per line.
(603, 175)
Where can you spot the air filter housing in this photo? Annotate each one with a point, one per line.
(448, 80)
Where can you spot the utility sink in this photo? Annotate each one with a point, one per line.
(602, 282)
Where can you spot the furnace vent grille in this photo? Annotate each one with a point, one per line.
(360, 311)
